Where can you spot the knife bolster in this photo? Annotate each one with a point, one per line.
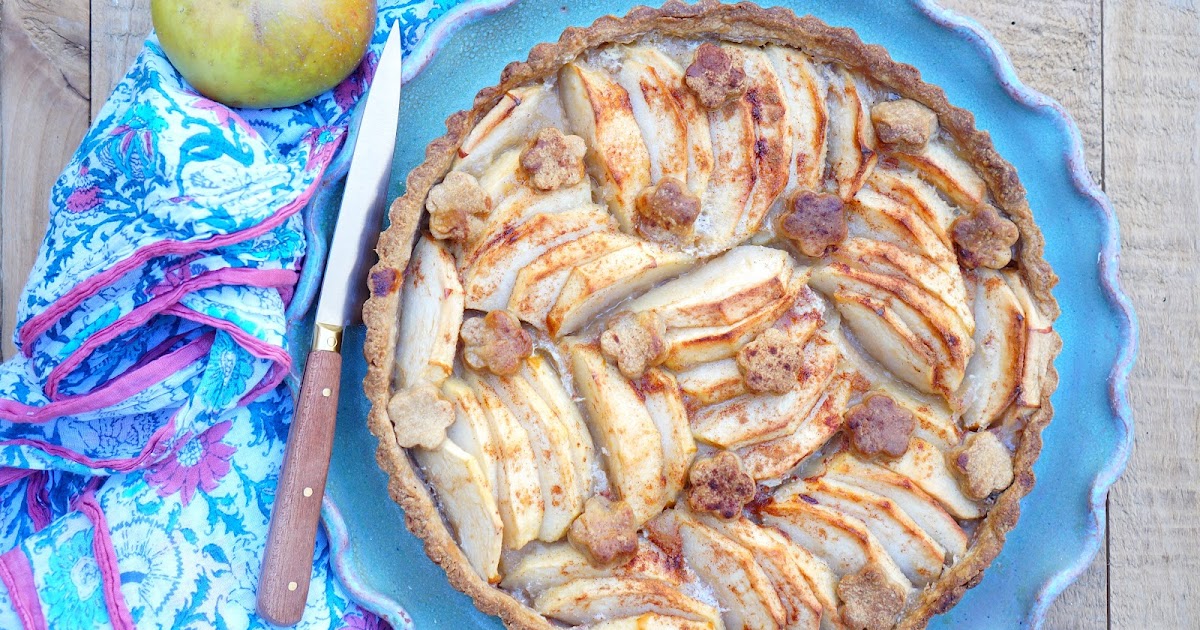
(327, 337)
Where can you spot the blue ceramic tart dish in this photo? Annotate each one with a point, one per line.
(1084, 448)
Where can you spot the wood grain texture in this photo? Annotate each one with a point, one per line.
(288, 559)
(119, 27)
(44, 112)
(1056, 48)
(1152, 123)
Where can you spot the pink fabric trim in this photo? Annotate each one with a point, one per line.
(273, 378)
(17, 576)
(252, 344)
(106, 558)
(286, 294)
(121, 388)
(140, 315)
(89, 488)
(157, 351)
(151, 448)
(9, 475)
(39, 323)
(36, 499)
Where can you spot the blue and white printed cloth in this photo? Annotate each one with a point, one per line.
(142, 424)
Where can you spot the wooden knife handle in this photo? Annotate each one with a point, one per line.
(287, 562)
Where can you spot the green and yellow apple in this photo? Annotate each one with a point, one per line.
(264, 53)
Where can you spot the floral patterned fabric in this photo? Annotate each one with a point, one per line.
(142, 423)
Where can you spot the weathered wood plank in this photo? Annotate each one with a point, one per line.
(1151, 60)
(1084, 605)
(1056, 48)
(44, 111)
(119, 27)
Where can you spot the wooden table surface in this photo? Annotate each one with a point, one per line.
(1128, 70)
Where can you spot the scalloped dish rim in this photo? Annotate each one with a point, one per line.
(447, 26)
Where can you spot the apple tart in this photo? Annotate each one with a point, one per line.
(711, 316)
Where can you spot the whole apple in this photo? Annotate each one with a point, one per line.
(263, 53)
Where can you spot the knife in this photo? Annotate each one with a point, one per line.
(287, 561)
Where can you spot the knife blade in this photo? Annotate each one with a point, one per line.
(287, 560)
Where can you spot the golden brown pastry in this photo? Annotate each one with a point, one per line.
(722, 319)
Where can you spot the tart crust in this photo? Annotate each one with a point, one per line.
(743, 23)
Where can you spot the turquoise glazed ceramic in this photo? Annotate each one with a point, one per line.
(1086, 445)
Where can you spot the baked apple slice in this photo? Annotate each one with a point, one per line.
(695, 118)
(774, 458)
(471, 430)
(624, 430)
(551, 442)
(594, 286)
(652, 621)
(517, 117)
(430, 315)
(547, 566)
(777, 557)
(877, 216)
(714, 382)
(599, 110)
(772, 139)
(852, 151)
(925, 465)
(805, 91)
(659, 117)
(938, 326)
(747, 598)
(732, 183)
(723, 291)
(995, 372)
(886, 258)
(919, 556)
(820, 579)
(843, 542)
(1039, 344)
(922, 508)
(664, 402)
(914, 192)
(817, 575)
(938, 164)
(502, 177)
(517, 208)
(544, 380)
(492, 273)
(591, 600)
(757, 418)
(539, 283)
(518, 489)
(888, 339)
(689, 347)
(948, 332)
(467, 503)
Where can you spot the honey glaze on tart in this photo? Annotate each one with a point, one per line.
(733, 333)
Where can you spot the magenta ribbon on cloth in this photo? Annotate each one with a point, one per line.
(142, 423)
